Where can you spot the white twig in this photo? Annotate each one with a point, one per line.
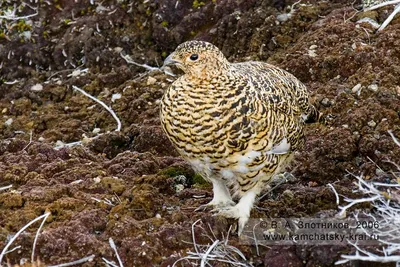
(382, 5)
(396, 141)
(108, 202)
(384, 200)
(12, 82)
(13, 17)
(367, 257)
(72, 144)
(108, 262)
(204, 257)
(129, 60)
(6, 187)
(285, 16)
(11, 250)
(353, 202)
(335, 192)
(193, 237)
(112, 245)
(387, 185)
(281, 181)
(30, 141)
(292, 7)
(218, 251)
(390, 18)
(80, 261)
(37, 236)
(44, 217)
(255, 239)
(76, 181)
(103, 104)
(68, 145)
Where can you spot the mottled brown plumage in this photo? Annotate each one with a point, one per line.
(236, 123)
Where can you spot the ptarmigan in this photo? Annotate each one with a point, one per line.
(237, 124)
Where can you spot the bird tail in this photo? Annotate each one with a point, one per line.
(315, 115)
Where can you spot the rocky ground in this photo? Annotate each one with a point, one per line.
(130, 185)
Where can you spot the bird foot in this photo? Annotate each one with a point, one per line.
(235, 213)
(229, 212)
(215, 206)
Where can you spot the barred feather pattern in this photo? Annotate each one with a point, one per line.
(229, 120)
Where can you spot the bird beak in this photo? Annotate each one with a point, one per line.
(170, 61)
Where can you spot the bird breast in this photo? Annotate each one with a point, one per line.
(206, 121)
(198, 115)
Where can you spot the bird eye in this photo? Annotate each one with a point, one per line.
(194, 57)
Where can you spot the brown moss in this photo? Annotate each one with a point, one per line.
(114, 184)
(11, 200)
(37, 263)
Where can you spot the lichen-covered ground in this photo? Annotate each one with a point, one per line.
(147, 193)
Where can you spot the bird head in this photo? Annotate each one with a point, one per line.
(198, 59)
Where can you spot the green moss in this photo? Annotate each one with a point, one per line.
(173, 172)
(164, 54)
(199, 180)
(46, 34)
(146, 95)
(22, 26)
(66, 21)
(164, 23)
(368, 14)
(197, 4)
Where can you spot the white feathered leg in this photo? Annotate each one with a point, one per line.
(241, 210)
(221, 199)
